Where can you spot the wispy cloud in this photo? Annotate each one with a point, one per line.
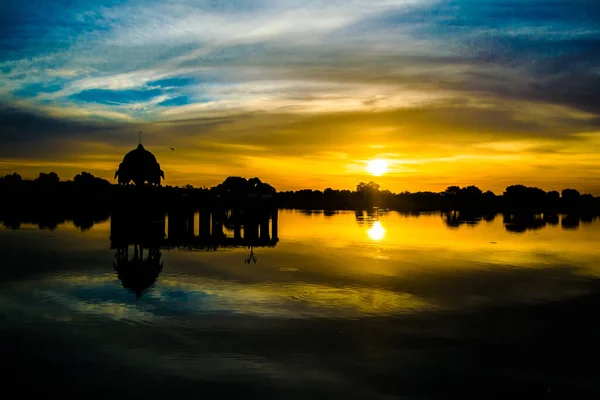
(428, 81)
(463, 46)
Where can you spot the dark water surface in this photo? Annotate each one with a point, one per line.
(345, 305)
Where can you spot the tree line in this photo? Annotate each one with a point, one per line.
(469, 198)
(86, 190)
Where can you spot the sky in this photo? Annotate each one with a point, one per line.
(304, 94)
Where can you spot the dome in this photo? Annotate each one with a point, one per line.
(139, 274)
(139, 166)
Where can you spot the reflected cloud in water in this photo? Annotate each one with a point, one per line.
(328, 259)
(173, 294)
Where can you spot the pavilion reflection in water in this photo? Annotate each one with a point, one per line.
(139, 236)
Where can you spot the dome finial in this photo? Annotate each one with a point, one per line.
(140, 138)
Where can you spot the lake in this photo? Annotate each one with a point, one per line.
(334, 305)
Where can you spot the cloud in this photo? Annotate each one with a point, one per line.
(115, 96)
(291, 82)
(419, 45)
(428, 146)
(34, 89)
(175, 101)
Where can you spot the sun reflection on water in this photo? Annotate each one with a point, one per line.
(376, 232)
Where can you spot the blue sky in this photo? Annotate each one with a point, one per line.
(496, 74)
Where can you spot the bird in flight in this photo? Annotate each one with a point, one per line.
(172, 149)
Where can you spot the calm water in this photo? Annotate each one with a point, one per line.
(344, 306)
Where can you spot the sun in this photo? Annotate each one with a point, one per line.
(377, 167)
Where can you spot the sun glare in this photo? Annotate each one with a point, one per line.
(377, 167)
(376, 232)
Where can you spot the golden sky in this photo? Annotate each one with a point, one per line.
(305, 94)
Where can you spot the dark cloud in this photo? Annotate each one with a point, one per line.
(456, 121)
(440, 123)
(539, 51)
(542, 69)
(448, 17)
(27, 134)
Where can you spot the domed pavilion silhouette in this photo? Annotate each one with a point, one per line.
(139, 273)
(139, 166)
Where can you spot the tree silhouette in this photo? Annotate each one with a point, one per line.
(553, 197)
(10, 182)
(16, 192)
(570, 198)
(47, 179)
(89, 183)
(367, 188)
(452, 191)
(524, 197)
(238, 187)
(471, 192)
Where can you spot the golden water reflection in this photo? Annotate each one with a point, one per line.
(425, 287)
(376, 232)
(343, 265)
(421, 242)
